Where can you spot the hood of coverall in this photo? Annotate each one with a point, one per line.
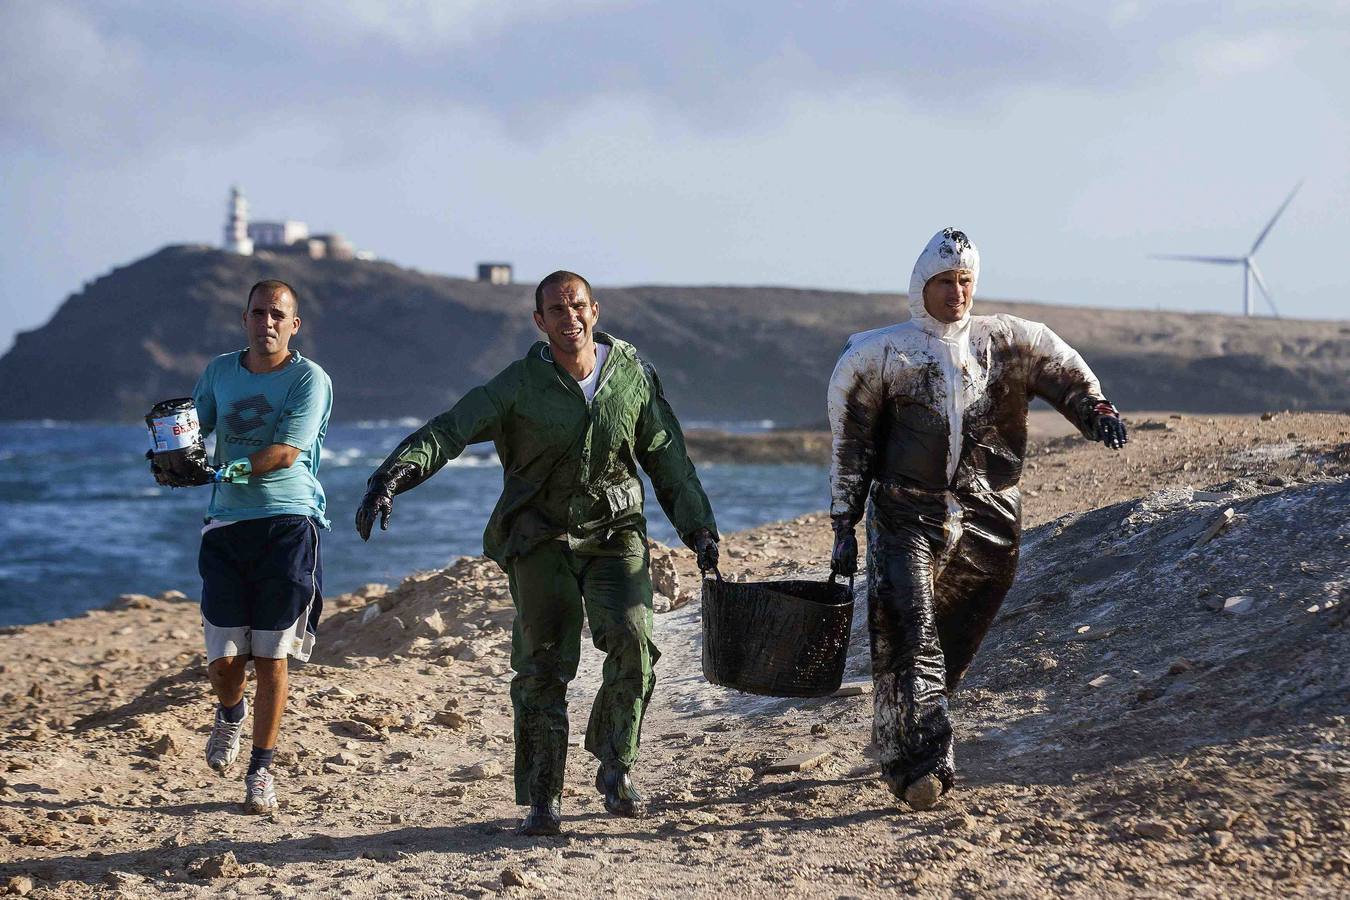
(948, 249)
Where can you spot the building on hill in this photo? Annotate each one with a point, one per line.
(335, 246)
(278, 234)
(494, 272)
(237, 238)
(286, 236)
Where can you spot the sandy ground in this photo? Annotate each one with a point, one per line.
(1210, 761)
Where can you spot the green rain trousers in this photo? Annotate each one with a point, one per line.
(550, 587)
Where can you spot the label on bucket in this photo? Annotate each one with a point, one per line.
(175, 432)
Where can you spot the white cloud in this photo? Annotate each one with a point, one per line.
(63, 81)
(426, 25)
(1238, 55)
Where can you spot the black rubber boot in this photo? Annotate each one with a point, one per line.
(545, 818)
(621, 795)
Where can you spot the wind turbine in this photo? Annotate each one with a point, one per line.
(1249, 270)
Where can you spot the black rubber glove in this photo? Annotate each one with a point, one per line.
(185, 468)
(705, 550)
(1111, 432)
(844, 558)
(380, 490)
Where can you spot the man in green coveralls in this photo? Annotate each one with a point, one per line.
(571, 422)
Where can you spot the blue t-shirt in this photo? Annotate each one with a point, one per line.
(248, 412)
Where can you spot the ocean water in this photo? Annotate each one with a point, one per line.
(82, 521)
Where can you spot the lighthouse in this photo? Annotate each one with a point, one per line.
(236, 225)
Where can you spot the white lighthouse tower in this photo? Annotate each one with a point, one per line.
(236, 225)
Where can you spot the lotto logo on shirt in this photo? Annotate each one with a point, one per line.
(247, 414)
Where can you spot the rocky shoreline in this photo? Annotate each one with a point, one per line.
(1127, 729)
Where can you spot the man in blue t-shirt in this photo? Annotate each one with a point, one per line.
(261, 576)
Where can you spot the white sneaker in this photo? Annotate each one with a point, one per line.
(222, 747)
(260, 792)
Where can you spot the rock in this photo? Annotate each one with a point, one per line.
(853, 689)
(98, 682)
(433, 624)
(451, 719)
(119, 880)
(1148, 694)
(372, 590)
(1239, 606)
(1180, 666)
(483, 770)
(20, 886)
(1154, 829)
(1221, 819)
(370, 614)
(339, 692)
(39, 733)
(91, 818)
(661, 603)
(343, 758)
(514, 877)
(164, 746)
(740, 773)
(358, 729)
(223, 865)
(800, 762)
(41, 836)
(173, 596)
(665, 579)
(1220, 839)
(1268, 416)
(1100, 681)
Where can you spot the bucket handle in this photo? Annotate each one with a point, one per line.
(834, 575)
(715, 570)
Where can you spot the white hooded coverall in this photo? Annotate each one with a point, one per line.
(929, 423)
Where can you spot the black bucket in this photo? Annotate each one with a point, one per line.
(776, 638)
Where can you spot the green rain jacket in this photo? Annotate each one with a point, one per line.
(569, 468)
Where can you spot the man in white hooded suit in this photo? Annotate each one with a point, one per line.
(929, 422)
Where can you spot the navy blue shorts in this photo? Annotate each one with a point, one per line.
(262, 588)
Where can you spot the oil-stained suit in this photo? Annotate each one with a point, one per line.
(929, 422)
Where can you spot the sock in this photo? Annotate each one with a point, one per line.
(260, 759)
(232, 714)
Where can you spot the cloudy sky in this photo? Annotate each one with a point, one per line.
(810, 144)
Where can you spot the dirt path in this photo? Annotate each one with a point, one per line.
(1226, 778)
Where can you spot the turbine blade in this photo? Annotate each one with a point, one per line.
(1226, 260)
(1271, 224)
(1261, 283)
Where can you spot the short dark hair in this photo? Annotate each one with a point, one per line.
(270, 288)
(558, 279)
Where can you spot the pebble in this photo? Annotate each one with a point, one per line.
(1154, 829)
(223, 865)
(1100, 681)
(343, 758)
(20, 886)
(1239, 606)
(164, 746)
(486, 769)
(451, 719)
(1220, 839)
(514, 877)
(1180, 666)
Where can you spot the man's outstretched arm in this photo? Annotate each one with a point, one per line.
(1060, 376)
(476, 417)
